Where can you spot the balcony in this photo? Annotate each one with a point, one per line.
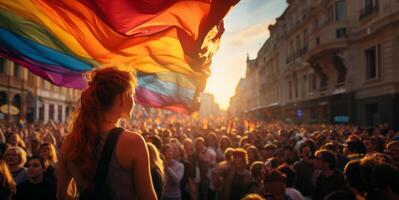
(368, 10)
(328, 37)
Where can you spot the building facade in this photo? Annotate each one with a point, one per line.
(208, 106)
(331, 61)
(33, 98)
(238, 103)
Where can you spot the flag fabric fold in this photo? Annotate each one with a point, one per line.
(168, 42)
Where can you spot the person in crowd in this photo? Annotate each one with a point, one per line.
(108, 98)
(36, 187)
(304, 169)
(157, 169)
(268, 151)
(341, 159)
(371, 144)
(290, 175)
(354, 148)
(7, 184)
(189, 170)
(220, 172)
(155, 140)
(212, 145)
(49, 139)
(289, 154)
(206, 161)
(380, 177)
(211, 141)
(174, 172)
(49, 155)
(275, 186)
(192, 158)
(354, 180)
(392, 148)
(224, 143)
(16, 159)
(330, 179)
(253, 155)
(210, 172)
(258, 171)
(15, 139)
(280, 156)
(238, 178)
(34, 145)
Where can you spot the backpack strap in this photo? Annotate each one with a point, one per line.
(100, 176)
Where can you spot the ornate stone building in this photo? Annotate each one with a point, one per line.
(35, 99)
(331, 61)
(238, 102)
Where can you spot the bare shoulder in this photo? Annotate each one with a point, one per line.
(131, 143)
(131, 137)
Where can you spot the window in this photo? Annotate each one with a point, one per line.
(2, 67)
(17, 71)
(305, 9)
(67, 111)
(316, 24)
(289, 90)
(341, 33)
(312, 82)
(60, 113)
(296, 88)
(370, 6)
(298, 44)
(41, 113)
(303, 86)
(291, 48)
(330, 13)
(305, 39)
(372, 62)
(51, 112)
(339, 10)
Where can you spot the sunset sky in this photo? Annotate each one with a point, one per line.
(246, 31)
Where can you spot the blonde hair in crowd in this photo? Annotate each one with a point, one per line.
(21, 155)
(53, 153)
(155, 159)
(6, 181)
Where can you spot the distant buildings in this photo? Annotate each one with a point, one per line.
(332, 61)
(32, 98)
(208, 105)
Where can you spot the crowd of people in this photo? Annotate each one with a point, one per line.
(110, 152)
(223, 160)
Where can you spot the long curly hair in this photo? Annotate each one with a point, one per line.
(104, 85)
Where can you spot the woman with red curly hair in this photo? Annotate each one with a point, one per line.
(108, 98)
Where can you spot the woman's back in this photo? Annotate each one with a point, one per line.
(119, 180)
(108, 98)
(123, 170)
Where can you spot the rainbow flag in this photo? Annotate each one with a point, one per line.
(169, 43)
